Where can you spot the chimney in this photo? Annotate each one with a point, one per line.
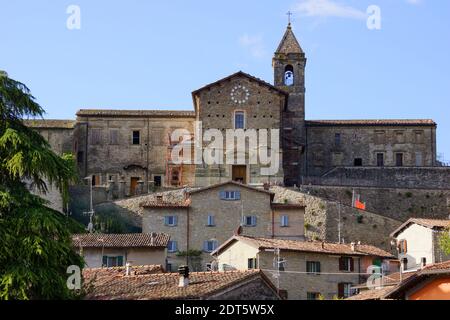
(159, 199)
(152, 238)
(184, 276)
(353, 246)
(323, 245)
(127, 269)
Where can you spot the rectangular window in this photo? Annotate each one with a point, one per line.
(399, 159)
(419, 136)
(239, 120)
(400, 136)
(312, 295)
(402, 246)
(210, 222)
(419, 159)
(210, 245)
(230, 195)
(136, 137)
(172, 246)
(313, 267)
(252, 264)
(346, 264)
(114, 136)
(358, 162)
(380, 137)
(250, 221)
(157, 181)
(337, 139)
(112, 261)
(344, 290)
(80, 157)
(281, 264)
(170, 221)
(380, 159)
(96, 136)
(284, 221)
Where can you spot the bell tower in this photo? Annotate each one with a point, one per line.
(289, 64)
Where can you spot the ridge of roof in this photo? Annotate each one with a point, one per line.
(135, 113)
(371, 122)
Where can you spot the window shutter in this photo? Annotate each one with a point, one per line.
(222, 195)
(175, 220)
(352, 264)
(120, 261)
(341, 263)
(105, 261)
(318, 267)
(216, 244)
(175, 246)
(253, 221)
(166, 221)
(238, 195)
(205, 245)
(405, 244)
(340, 290)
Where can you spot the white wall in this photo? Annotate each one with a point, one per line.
(137, 256)
(419, 245)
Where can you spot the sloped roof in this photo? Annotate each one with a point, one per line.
(289, 43)
(245, 75)
(374, 122)
(50, 123)
(427, 223)
(213, 186)
(164, 286)
(308, 246)
(373, 294)
(135, 113)
(131, 240)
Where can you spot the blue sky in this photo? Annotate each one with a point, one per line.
(140, 54)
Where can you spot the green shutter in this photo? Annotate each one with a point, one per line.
(120, 261)
(105, 261)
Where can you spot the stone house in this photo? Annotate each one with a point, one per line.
(204, 218)
(116, 250)
(417, 242)
(304, 270)
(143, 283)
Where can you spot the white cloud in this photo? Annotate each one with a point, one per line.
(254, 44)
(328, 8)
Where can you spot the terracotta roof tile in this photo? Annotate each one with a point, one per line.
(136, 113)
(373, 294)
(159, 286)
(132, 240)
(312, 246)
(428, 223)
(381, 122)
(48, 123)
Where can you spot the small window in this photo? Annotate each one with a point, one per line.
(337, 139)
(419, 159)
(230, 195)
(313, 267)
(95, 180)
(210, 245)
(281, 263)
(405, 263)
(169, 267)
(112, 261)
(399, 159)
(80, 156)
(136, 137)
(209, 267)
(346, 264)
(96, 136)
(424, 261)
(239, 120)
(170, 221)
(344, 290)
(210, 222)
(284, 221)
(380, 159)
(358, 162)
(172, 246)
(289, 75)
(252, 264)
(250, 221)
(157, 181)
(114, 136)
(312, 295)
(403, 246)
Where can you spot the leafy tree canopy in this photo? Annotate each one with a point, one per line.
(35, 240)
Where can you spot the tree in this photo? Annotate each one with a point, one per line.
(35, 241)
(444, 241)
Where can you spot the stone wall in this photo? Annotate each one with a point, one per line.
(398, 177)
(398, 204)
(325, 151)
(322, 216)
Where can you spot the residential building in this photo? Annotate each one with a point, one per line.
(203, 219)
(143, 283)
(304, 270)
(417, 242)
(115, 250)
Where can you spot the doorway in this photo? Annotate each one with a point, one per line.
(133, 185)
(239, 174)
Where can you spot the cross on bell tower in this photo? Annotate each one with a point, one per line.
(289, 14)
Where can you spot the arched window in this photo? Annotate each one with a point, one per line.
(289, 75)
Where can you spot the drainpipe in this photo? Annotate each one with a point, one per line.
(273, 224)
(148, 150)
(86, 148)
(187, 237)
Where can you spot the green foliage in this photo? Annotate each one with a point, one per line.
(189, 253)
(35, 241)
(444, 242)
